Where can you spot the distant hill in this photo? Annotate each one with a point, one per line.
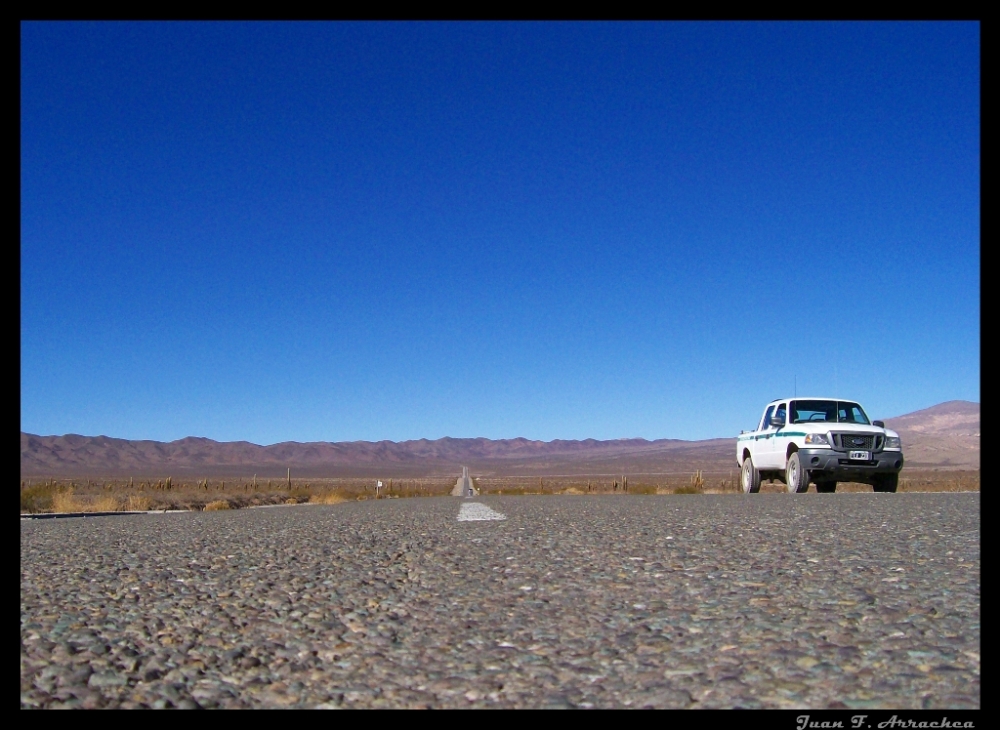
(946, 435)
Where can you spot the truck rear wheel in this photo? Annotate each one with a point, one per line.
(796, 478)
(750, 477)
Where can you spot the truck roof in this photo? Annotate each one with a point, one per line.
(811, 397)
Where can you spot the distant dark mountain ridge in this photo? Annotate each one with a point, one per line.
(945, 435)
(43, 455)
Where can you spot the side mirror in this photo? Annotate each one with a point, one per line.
(777, 421)
(880, 424)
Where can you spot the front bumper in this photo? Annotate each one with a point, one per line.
(835, 466)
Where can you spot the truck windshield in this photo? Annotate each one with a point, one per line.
(830, 411)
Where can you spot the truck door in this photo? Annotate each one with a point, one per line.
(778, 443)
(763, 440)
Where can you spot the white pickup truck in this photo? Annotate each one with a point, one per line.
(820, 440)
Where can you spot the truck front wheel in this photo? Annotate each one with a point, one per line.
(796, 478)
(886, 483)
(750, 477)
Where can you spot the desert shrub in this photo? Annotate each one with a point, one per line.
(37, 498)
(217, 505)
(687, 489)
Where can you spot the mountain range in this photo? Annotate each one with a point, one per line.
(943, 436)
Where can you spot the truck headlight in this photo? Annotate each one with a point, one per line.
(818, 438)
(893, 442)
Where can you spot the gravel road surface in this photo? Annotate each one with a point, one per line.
(805, 601)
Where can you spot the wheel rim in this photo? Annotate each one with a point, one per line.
(746, 475)
(793, 476)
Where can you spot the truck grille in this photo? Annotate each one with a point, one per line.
(866, 441)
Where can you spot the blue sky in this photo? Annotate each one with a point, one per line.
(363, 231)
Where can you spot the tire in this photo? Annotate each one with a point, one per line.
(750, 477)
(886, 483)
(796, 478)
(826, 487)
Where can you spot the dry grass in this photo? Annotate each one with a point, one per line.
(86, 495)
(634, 484)
(217, 505)
(327, 498)
(137, 503)
(141, 494)
(64, 501)
(695, 486)
(103, 504)
(67, 501)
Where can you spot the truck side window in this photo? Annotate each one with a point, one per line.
(766, 423)
(781, 412)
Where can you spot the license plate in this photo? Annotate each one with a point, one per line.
(861, 455)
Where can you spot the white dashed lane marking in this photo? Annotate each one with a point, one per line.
(472, 511)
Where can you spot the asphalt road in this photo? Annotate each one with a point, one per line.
(807, 601)
(463, 487)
